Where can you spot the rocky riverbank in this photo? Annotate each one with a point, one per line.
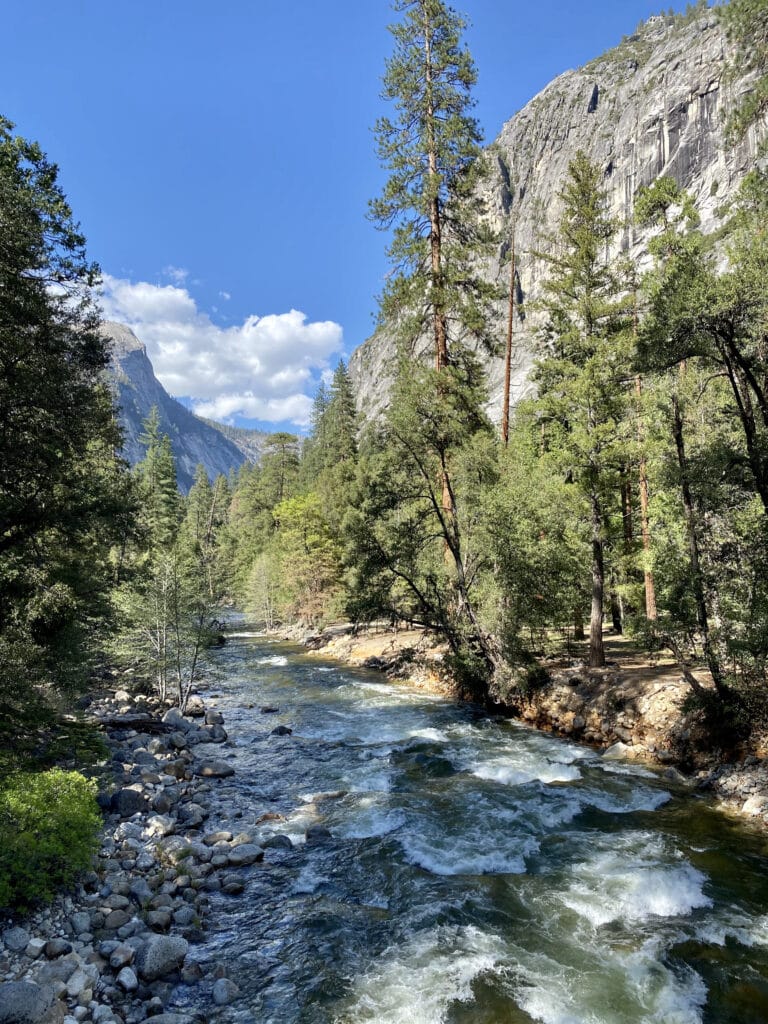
(123, 946)
(635, 708)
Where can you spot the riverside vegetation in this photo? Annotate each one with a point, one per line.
(633, 486)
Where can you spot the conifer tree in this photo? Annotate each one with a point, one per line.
(161, 502)
(64, 496)
(431, 148)
(585, 362)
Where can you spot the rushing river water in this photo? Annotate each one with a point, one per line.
(477, 872)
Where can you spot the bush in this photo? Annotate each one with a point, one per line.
(49, 822)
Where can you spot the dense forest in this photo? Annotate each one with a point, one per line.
(630, 493)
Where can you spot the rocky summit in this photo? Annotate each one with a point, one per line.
(654, 105)
(137, 390)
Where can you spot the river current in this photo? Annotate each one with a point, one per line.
(478, 872)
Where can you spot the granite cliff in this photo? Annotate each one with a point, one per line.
(193, 440)
(655, 105)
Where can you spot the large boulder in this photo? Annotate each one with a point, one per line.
(161, 955)
(24, 1002)
(176, 720)
(242, 856)
(16, 939)
(128, 802)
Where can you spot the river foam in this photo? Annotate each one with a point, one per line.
(416, 982)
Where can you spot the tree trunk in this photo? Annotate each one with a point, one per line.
(702, 617)
(596, 651)
(651, 612)
(439, 323)
(578, 625)
(617, 615)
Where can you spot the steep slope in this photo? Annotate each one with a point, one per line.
(655, 105)
(249, 442)
(137, 389)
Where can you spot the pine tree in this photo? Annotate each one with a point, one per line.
(156, 473)
(340, 419)
(431, 148)
(64, 497)
(584, 362)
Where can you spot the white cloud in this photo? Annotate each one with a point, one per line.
(225, 295)
(263, 368)
(177, 274)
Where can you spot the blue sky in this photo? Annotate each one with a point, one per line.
(219, 157)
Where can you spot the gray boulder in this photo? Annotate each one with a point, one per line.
(176, 720)
(224, 992)
(16, 939)
(128, 802)
(246, 854)
(24, 1002)
(161, 955)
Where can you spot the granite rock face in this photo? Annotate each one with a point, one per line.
(653, 106)
(193, 440)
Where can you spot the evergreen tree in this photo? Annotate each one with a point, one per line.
(64, 496)
(160, 499)
(339, 424)
(431, 148)
(584, 363)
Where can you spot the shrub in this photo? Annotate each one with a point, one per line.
(49, 822)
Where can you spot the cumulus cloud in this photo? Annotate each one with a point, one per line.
(263, 368)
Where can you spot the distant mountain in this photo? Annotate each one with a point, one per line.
(250, 442)
(194, 440)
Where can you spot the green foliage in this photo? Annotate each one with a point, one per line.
(158, 487)
(431, 147)
(746, 24)
(411, 556)
(49, 823)
(64, 497)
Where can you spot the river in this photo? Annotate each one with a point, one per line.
(477, 871)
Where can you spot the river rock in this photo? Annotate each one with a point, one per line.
(247, 853)
(35, 948)
(81, 922)
(121, 956)
(278, 842)
(172, 1018)
(24, 1002)
(281, 730)
(195, 707)
(57, 947)
(116, 919)
(224, 992)
(16, 939)
(214, 718)
(128, 802)
(160, 825)
(617, 752)
(214, 770)
(174, 718)
(127, 980)
(317, 834)
(755, 806)
(161, 955)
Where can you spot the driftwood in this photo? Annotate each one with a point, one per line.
(139, 721)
